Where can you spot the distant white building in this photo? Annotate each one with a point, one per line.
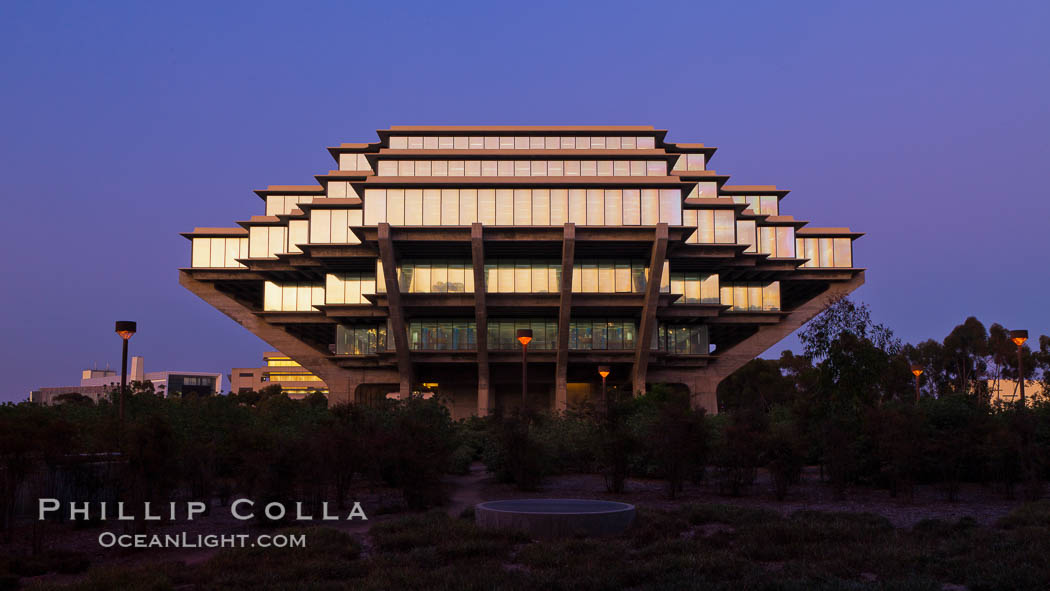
(1007, 392)
(98, 383)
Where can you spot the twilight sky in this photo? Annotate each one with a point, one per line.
(924, 124)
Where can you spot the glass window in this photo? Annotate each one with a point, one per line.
(468, 206)
(767, 240)
(613, 207)
(745, 234)
(522, 207)
(589, 277)
(487, 206)
(422, 168)
(476, 143)
(771, 296)
(638, 277)
(598, 143)
(785, 242)
(637, 168)
(431, 207)
(725, 229)
(539, 167)
(432, 142)
(605, 168)
(578, 206)
(583, 143)
(439, 168)
(646, 143)
(843, 252)
(632, 207)
(612, 143)
(606, 277)
(559, 206)
(589, 168)
(488, 168)
(522, 277)
(827, 252)
(671, 206)
(375, 206)
(572, 168)
(754, 296)
(521, 143)
(568, 143)
(413, 207)
(491, 278)
(439, 277)
(650, 207)
(460, 142)
(539, 278)
(655, 168)
(506, 143)
(541, 207)
(506, 276)
(321, 225)
(595, 207)
(449, 207)
(456, 168)
(628, 143)
(555, 168)
(504, 207)
(623, 276)
(398, 143)
(421, 282)
(599, 334)
(472, 168)
(504, 168)
(395, 206)
(491, 143)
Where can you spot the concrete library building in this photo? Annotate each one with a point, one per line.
(415, 266)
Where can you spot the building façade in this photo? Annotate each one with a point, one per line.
(411, 266)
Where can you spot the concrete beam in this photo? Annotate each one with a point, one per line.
(481, 319)
(704, 386)
(568, 254)
(341, 382)
(397, 317)
(652, 301)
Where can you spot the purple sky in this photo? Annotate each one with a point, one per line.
(925, 125)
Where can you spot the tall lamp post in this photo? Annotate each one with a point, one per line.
(125, 328)
(603, 370)
(1019, 337)
(916, 370)
(524, 337)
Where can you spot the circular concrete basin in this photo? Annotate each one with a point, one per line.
(556, 518)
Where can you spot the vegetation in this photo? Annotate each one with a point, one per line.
(691, 547)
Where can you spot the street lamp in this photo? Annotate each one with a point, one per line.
(1019, 337)
(125, 328)
(916, 370)
(524, 337)
(603, 370)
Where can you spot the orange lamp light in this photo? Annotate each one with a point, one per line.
(524, 336)
(1018, 336)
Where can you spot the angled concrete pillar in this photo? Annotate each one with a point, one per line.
(704, 387)
(481, 319)
(336, 378)
(652, 301)
(568, 254)
(396, 312)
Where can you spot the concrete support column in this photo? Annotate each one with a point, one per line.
(705, 386)
(652, 301)
(481, 319)
(342, 386)
(397, 317)
(568, 254)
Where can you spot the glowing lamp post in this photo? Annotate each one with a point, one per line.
(603, 370)
(1019, 337)
(125, 328)
(916, 370)
(524, 337)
